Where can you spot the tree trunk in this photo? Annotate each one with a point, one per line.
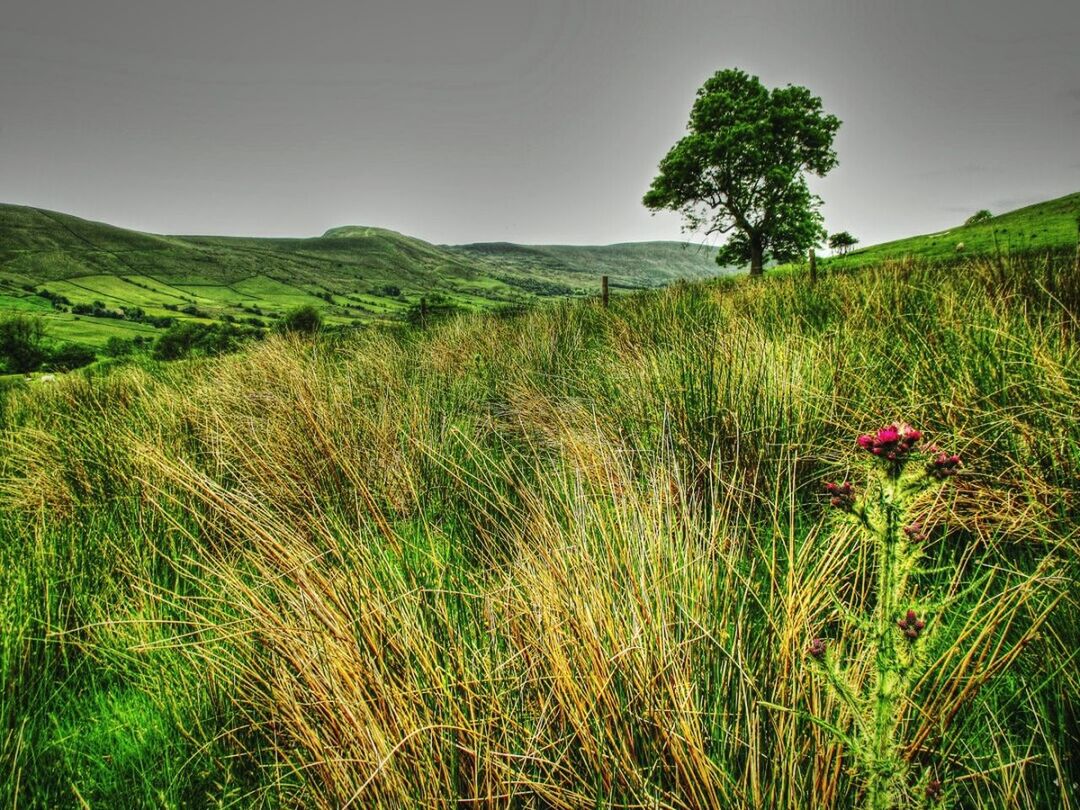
(757, 266)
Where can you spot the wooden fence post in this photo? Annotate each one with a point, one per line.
(604, 290)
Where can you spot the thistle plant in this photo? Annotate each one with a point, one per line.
(898, 626)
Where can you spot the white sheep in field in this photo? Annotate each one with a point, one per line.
(959, 247)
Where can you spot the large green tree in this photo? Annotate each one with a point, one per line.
(741, 170)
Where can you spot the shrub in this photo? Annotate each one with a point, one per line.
(119, 347)
(305, 320)
(178, 341)
(71, 356)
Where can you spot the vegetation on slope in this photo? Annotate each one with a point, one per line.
(569, 558)
(92, 282)
(1052, 226)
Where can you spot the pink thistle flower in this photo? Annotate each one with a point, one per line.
(892, 442)
(816, 648)
(889, 434)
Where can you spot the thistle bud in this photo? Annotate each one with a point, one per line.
(915, 533)
(911, 625)
(933, 789)
(843, 495)
(943, 465)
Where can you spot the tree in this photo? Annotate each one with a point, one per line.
(22, 343)
(842, 242)
(741, 170)
(306, 320)
(979, 217)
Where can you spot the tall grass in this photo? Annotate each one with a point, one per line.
(570, 558)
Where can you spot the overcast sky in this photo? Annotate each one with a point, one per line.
(522, 120)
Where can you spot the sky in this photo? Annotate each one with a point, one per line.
(533, 121)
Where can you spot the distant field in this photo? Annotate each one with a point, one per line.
(353, 274)
(93, 332)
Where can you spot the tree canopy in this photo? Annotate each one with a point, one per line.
(741, 170)
(842, 242)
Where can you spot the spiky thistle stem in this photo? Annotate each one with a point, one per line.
(895, 643)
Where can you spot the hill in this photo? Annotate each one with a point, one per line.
(1046, 226)
(52, 262)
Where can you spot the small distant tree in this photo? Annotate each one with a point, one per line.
(22, 343)
(842, 242)
(979, 217)
(305, 320)
(742, 169)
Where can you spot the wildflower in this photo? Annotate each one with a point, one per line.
(816, 648)
(943, 465)
(933, 789)
(915, 533)
(843, 495)
(911, 624)
(892, 442)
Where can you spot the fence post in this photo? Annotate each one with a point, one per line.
(604, 290)
(813, 267)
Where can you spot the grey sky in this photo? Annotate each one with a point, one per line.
(529, 121)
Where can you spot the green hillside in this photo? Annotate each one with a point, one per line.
(1050, 225)
(51, 263)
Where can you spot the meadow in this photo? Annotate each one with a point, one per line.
(572, 557)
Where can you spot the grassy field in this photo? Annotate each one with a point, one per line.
(355, 275)
(572, 558)
(1048, 226)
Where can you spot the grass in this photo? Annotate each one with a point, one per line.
(1053, 226)
(566, 558)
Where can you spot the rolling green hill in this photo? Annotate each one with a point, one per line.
(1045, 226)
(52, 263)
